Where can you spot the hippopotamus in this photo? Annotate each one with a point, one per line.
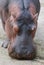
(19, 19)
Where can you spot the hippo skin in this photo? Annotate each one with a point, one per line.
(19, 20)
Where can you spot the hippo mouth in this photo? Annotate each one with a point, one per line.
(22, 49)
(25, 56)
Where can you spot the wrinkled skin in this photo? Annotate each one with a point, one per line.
(19, 19)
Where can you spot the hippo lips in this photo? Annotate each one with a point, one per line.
(29, 56)
(23, 53)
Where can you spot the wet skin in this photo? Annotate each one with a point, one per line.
(19, 19)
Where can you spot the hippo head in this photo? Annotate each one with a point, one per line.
(20, 27)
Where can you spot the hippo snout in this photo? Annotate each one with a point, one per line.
(22, 49)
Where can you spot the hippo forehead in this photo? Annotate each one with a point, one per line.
(20, 3)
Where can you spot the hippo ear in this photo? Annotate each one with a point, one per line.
(35, 17)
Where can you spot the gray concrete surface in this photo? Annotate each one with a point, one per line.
(39, 41)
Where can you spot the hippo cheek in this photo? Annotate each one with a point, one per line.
(21, 49)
